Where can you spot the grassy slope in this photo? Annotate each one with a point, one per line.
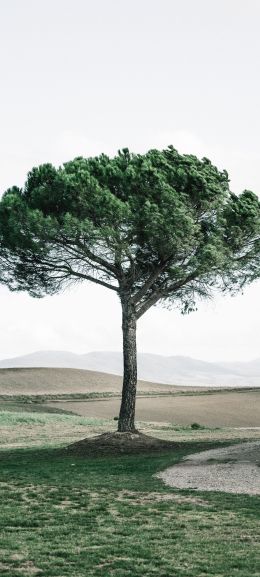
(72, 517)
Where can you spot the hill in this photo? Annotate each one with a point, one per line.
(53, 381)
(179, 370)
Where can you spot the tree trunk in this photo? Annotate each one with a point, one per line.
(126, 422)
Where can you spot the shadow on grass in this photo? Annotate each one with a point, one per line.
(45, 465)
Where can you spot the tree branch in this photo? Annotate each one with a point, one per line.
(155, 274)
(163, 293)
(70, 272)
(148, 304)
(98, 259)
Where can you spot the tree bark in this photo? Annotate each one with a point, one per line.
(126, 421)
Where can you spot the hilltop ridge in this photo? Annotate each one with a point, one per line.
(176, 370)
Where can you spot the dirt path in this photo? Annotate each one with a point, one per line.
(234, 469)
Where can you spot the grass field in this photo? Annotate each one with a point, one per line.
(76, 517)
(69, 516)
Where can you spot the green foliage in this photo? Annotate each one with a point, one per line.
(155, 227)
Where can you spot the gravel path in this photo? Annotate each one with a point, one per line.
(234, 469)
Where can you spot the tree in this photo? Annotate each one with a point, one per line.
(154, 228)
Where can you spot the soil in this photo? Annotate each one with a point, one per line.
(234, 469)
(118, 444)
(51, 381)
(224, 409)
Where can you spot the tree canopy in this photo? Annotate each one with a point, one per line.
(159, 226)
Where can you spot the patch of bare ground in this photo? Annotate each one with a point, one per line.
(25, 567)
(119, 443)
(29, 569)
(138, 498)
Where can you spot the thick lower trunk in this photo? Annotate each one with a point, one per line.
(126, 422)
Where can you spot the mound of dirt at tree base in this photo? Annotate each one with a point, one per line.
(119, 444)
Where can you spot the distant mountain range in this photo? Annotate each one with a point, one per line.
(179, 370)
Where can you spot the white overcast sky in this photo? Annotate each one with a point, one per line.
(81, 77)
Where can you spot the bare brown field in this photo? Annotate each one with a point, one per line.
(227, 409)
(41, 381)
(55, 381)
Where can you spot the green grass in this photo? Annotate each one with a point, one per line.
(25, 428)
(66, 516)
(12, 419)
(75, 517)
(21, 414)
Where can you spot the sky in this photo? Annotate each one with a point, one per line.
(81, 77)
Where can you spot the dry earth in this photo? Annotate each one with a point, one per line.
(226, 409)
(234, 469)
(40, 381)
